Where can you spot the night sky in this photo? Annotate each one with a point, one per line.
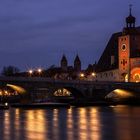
(36, 33)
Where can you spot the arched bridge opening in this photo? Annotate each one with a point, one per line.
(11, 93)
(66, 94)
(121, 95)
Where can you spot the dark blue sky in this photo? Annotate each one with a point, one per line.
(35, 33)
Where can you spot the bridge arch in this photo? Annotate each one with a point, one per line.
(17, 88)
(120, 94)
(11, 93)
(72, 91)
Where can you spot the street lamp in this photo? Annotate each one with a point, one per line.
(39, 71)
(93, 74)
(81, 76)
(30, 72)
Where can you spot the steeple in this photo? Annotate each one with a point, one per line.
(77, 63)
(130, 20)
(64, 63)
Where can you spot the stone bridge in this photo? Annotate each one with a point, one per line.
(78, 89)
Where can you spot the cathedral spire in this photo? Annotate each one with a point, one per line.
(64, 63)
(77, 63)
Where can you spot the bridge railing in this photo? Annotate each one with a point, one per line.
(51, 80)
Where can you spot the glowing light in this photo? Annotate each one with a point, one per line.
(33, 124)
(6, 92)
(136, 77)
(62, 92)
(93, 74)
(135, 74)
(17, 88)
(6, 104)
(119, 93)
(82, 75)
(39, 70)
(126, 78)
(30, 71)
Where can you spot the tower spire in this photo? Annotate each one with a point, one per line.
(130, 20)
(130, 9)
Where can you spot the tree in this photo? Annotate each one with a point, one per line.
(10, 70)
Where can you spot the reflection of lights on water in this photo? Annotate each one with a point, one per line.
(7, 124)
(17, 123)
(83, 124)
(69, 119)
(89, 124)
(55, 123)
(95, 124)
(17, 112)
(55, 115)
(124, 126)
(70, 124)
(35, 125)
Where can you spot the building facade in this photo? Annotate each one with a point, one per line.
(120, 60)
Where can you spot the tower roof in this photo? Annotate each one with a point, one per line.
(77, 59)
(130, 18)
(64, 58)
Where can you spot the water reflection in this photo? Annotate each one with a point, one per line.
(90, 123)
(35, 125)
(128, 121)
(88, 126)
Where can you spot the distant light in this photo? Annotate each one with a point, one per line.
(30, 71)
(93, 74)
(82, 75)
(6, 92)
(6, 104)
(39, 70)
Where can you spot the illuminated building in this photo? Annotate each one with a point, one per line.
(120, 60)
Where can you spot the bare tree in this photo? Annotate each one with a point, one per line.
(10, 70)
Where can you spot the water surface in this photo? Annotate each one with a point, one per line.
(85, 123)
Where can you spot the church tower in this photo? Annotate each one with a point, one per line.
(77, 64)
(127, 47)
(64, 63)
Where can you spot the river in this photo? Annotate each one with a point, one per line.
(81, 123)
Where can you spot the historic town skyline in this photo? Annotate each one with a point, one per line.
(38, 33)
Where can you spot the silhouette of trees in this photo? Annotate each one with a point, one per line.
(10, 70)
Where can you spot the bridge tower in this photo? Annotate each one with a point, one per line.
(129, 48)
